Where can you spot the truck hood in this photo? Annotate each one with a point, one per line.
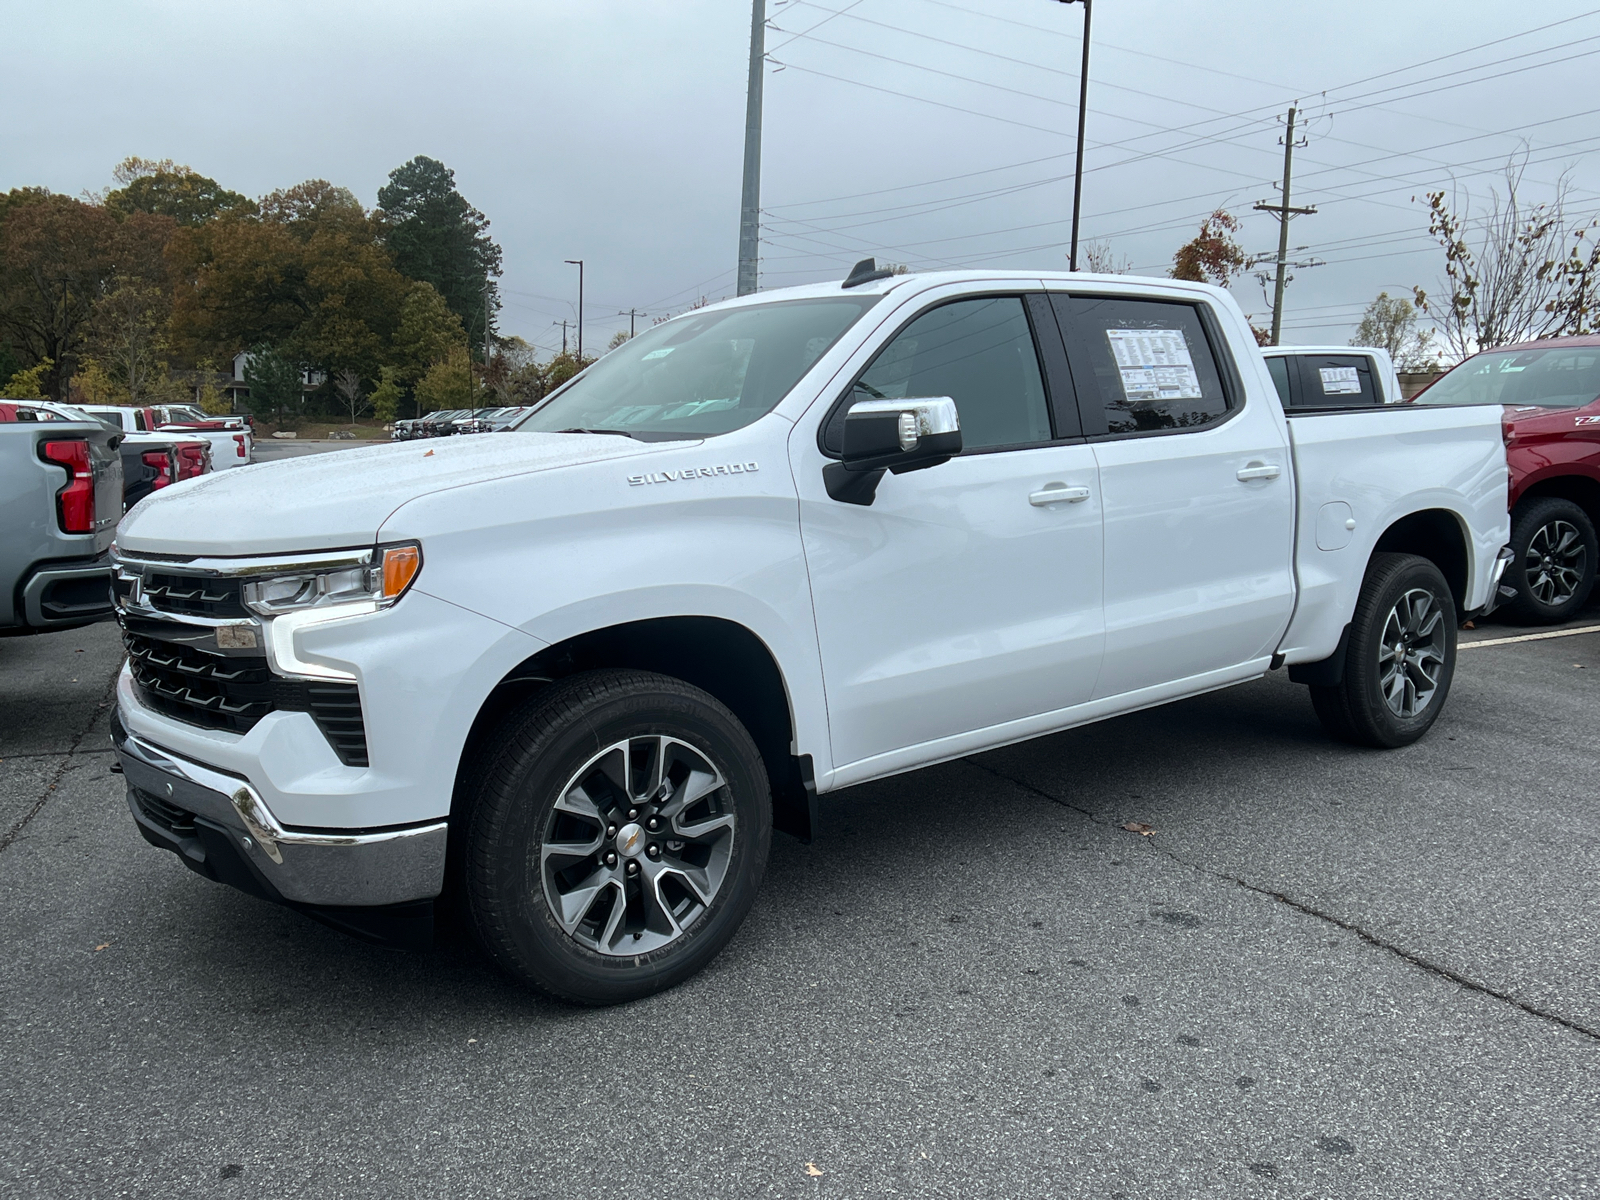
(341, 498)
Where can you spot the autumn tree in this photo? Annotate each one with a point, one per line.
(55, 259)
(447, 384)
(386, 396)
(167, 189)
(439, 238)
(426, 332)
(1213, 255)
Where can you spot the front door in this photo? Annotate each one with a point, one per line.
(1198, 492)
(968, 594)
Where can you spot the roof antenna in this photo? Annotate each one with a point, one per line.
(866, 271)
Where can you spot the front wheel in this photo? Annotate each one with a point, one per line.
(1554, 553)
(1400, 656)
(618, 837)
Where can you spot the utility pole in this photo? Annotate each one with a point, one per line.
(632, 313)
(1284, 212)
(563, 337)
(485, 346)
(1083, 109)
(750, 199)
(578, 262)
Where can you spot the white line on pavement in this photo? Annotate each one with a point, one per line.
(1530, 637)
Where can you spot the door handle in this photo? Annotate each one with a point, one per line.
(1260, 470)
(1057, 493)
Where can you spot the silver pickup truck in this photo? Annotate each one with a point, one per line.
(60, 500)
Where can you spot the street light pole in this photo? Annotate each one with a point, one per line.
(578, 262)
(1083, 109)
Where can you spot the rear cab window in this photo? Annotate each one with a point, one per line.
(1336, 380)
(1141, 366)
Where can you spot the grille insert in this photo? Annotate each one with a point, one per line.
(194, 595)
(215, 691)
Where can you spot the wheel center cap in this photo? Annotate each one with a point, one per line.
(630, 840)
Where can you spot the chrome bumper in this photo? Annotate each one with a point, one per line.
(302, 867)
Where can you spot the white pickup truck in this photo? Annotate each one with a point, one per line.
(572, 675)
(231, 443)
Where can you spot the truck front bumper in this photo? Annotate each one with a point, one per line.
(376, 884)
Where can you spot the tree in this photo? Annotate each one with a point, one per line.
(1099, 258)
(1391, 324)
(438, 238)
(348, 384)
(1531, 271)
(1212, 255)
(166, 189)
(617, 339)
(309, 275)
(386, 396)
(29, 384)
(55, 259)
(447, 383)
(426, 332)
(275, 384)
(92, 385)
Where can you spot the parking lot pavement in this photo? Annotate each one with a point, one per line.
(1327, 972)
(277, 449)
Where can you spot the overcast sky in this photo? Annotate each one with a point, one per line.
(931, 132)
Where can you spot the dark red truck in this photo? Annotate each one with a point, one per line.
(1550, 390)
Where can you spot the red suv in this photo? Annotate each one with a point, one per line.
(1550, 390)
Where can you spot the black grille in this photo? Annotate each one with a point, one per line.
(194, 595)
(170, 817)
(221, 692)
(203, 689)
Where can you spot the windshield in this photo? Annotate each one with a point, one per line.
(1560, 377)
(701, 374)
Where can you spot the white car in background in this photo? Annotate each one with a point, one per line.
(1332, 376)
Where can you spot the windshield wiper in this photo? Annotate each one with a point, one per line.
(617, 432)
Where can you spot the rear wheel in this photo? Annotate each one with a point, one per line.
(1400, 657)
(618, 837)
(1555, 553)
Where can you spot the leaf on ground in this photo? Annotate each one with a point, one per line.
(429, 454)
(102, 946)
(813, 1170)
(1468, 625)
(1139, 827)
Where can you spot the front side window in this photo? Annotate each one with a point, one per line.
(1147, 363)
(980, 353)
(1553, 378)
(701, 374)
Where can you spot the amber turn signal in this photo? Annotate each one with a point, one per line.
(400, 566)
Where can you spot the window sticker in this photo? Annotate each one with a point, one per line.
(661, 353)
(1154, 364)
(1339, 381)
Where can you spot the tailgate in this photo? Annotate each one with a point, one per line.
(1359, 472)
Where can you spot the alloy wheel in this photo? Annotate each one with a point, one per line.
(1411, 653)
(637, 846)
(1554, 563)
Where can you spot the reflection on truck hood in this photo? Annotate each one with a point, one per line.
(341, 498)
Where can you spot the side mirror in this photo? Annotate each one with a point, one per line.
(891, 435)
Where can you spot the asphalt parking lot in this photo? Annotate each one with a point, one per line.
(1326, 973)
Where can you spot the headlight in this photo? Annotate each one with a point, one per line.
(380, 577)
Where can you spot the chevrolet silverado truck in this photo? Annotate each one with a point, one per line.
(60, 500)
(1332, 376)
(567, 680)
(1548, 395)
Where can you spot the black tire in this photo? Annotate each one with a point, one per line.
(1363, 707)
(1555, 553)
(513, 878)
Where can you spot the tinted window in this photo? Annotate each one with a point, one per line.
(1335, 380)
(1554, 378)
(703, 373)
(1279, 370)
(978, 352)
(1146, 362)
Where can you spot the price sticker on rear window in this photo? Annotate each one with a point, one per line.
(1339, 381)
(1154, 364)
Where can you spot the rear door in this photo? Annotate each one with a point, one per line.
(1196, 481)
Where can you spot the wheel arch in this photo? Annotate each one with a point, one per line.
(720, 656)
(1438, 535)
(1579, 489)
